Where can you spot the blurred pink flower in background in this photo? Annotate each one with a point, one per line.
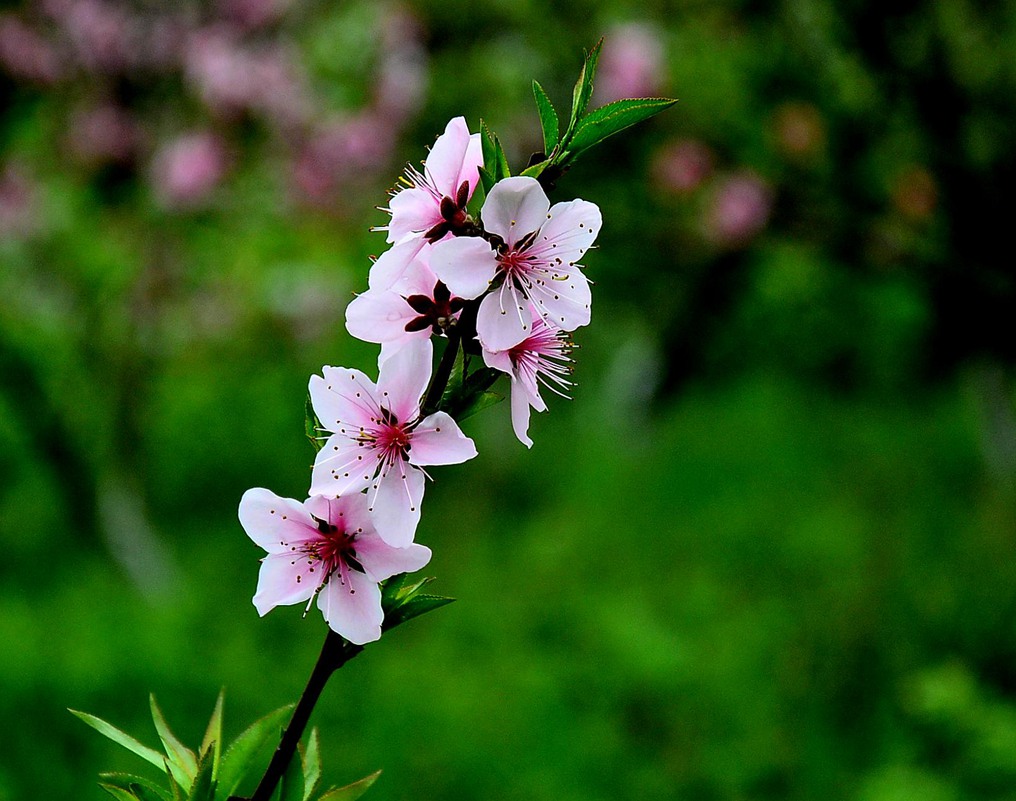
(402, 76)
(632, 63)
(185, 170)
(104, 37)
(104, 133)
(17, 201)
(26, 54)
(682, 166)
(342, 152)
(252, 14)
(231, 78)
(737, 209)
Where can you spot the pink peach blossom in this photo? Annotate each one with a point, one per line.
(535, 263)
(542, 358)
(416, 306)
(431, 195)
(379, 442)
(324, 547)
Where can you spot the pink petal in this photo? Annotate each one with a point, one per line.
(349, 512)
(454, 158)
(391, 265)
(564, 304)
(341, 467)
(439, 440)
(379, 316)
(414, 211)
(273, 522)
(351, 605)
(514, 208)
(395, 505)
(404, 378)
(343, 398)
(382, 561)
(466, 264)
(277, 584)
(498, 360)
(568, 232)
(520, 414)
(500, 323)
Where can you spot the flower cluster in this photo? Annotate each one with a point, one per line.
(507, 287)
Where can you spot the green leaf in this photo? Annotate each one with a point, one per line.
(397, 590)
(213, 735)
(138, 786)
(182, 762)
(414, 607)
(535, 170)
(487, 148)
(583, 88)
(500, 161)
(312, 426)
(122, 738)
(118, 793)
(548, 120)
(291, 784)
(237, 759)
(479, 402)
(486, 179)
(614, 117)
(351, 791)
(455, 377)
(311, 765)
(203, 788)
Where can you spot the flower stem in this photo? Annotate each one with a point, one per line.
(334, 654)
(439, 383)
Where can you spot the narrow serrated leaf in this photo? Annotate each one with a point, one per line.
(141, 787)
(479, 402)
(213, 734)
(312, 426)
(237, 759)
(121, 738)
(414, 607)
(182, 761)
(487, 148)
(486, 179)
(548, 120)
(203, 788)
(291, 784)
(351, 792)
(311, 765)
(583, 89)
(398, 589)
(118, 792)
(500, 161)
(614, 117)
(535, 170)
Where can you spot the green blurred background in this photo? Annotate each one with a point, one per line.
(765, 553)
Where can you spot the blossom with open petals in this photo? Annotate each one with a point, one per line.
(536, 264)
(417, 305)
(379, 442)
(541, 359)
(326, 547)
(437, 195)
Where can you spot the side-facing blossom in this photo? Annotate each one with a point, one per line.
(542, 358)
(434, 196)
(379, 442)
(416, 306)
(326, 547)
(535, 262)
